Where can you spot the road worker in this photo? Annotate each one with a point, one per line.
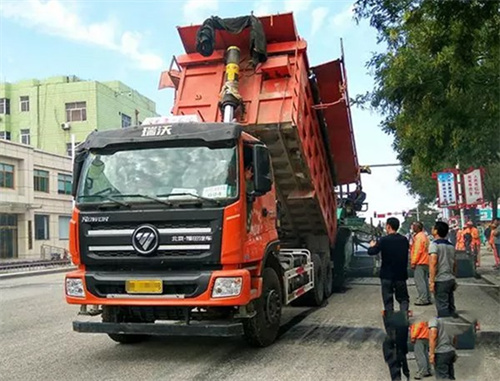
(419, 335)
(420, 263)
(494, 242)
(475, 244)
(460, 245)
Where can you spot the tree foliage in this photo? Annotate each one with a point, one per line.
(437, 85)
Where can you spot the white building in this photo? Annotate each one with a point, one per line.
(35, 202)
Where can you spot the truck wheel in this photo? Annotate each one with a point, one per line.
(339, 254)
(262, 329)
(315, 296)
(126, 339)
(114, 315)
(328, 267)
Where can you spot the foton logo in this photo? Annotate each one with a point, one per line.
(145, 239)
(95, 219)
(156, 130)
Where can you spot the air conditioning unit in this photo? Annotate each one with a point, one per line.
(65, 126)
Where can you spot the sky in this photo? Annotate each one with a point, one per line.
(133, 41)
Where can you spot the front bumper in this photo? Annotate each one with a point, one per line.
(191, 289)
(219, 329)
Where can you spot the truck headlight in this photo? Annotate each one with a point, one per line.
(225, 287)
(74, 287)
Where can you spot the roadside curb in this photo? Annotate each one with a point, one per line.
(489, 279)
(36, 272)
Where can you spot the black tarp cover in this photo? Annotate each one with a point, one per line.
(205, 37)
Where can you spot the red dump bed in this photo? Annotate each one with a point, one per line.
(280, 104)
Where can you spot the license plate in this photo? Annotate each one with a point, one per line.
(144, 286)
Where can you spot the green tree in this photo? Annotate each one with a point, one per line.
(437, 85)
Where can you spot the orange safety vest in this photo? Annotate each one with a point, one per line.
(420, 250)
(419, 330)
(491, 240)
(476, 239)
(460, 241)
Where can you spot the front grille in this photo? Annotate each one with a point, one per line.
(133, 254)
(159, 225)
(184, 289)
(185, 237)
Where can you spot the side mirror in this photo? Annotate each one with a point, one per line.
(262, 170)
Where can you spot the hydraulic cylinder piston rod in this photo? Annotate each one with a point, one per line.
(230, 96)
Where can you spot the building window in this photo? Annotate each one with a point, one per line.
(5, 135)
(126, 121)
(5, 106)
(76, 111)
(24, 103)
(6, 176)
(8, 235)
(41, 227)
(41, 180)
(64, 183)
(25, 136)
(68, 148)
(64, 227)
(30, 235)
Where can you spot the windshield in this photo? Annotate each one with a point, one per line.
(173, 173)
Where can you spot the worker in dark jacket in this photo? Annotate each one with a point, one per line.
(394, 270)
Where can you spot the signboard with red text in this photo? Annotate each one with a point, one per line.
(473, 188)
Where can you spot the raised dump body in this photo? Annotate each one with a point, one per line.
(300, 113)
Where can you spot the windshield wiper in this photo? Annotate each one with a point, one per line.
(200, 198)
(106, 197)
(146, 197)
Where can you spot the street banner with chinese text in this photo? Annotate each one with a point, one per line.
(473, 188)
(447, 190)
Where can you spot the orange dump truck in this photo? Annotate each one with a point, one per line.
(209, 221)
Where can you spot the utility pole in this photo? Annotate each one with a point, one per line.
(418, 212)
(460, 197)
(73, 159)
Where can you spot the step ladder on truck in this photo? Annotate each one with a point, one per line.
(209, 221)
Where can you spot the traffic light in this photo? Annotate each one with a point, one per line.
(374, 214)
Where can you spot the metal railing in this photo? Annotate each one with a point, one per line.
(50, 256)
(53, 253)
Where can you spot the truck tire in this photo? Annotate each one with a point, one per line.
(328, 268)
(262, 329)
(315, 297)
(339, 254)
(113, 315)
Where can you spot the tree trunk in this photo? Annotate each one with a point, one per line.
(494, 208)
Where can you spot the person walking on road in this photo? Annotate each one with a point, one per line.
(420, 263)
(394, 269)
(442, 271)
(494, 241)
(419, 335)
(473, 241)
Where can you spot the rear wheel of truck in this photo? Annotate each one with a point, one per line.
(262, 329)
(315, 297)
(328, 268)
(111, 314)
(339, 255)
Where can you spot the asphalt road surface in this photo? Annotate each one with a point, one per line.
(340, 341)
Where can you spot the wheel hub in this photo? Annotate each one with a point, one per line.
(273, 306)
